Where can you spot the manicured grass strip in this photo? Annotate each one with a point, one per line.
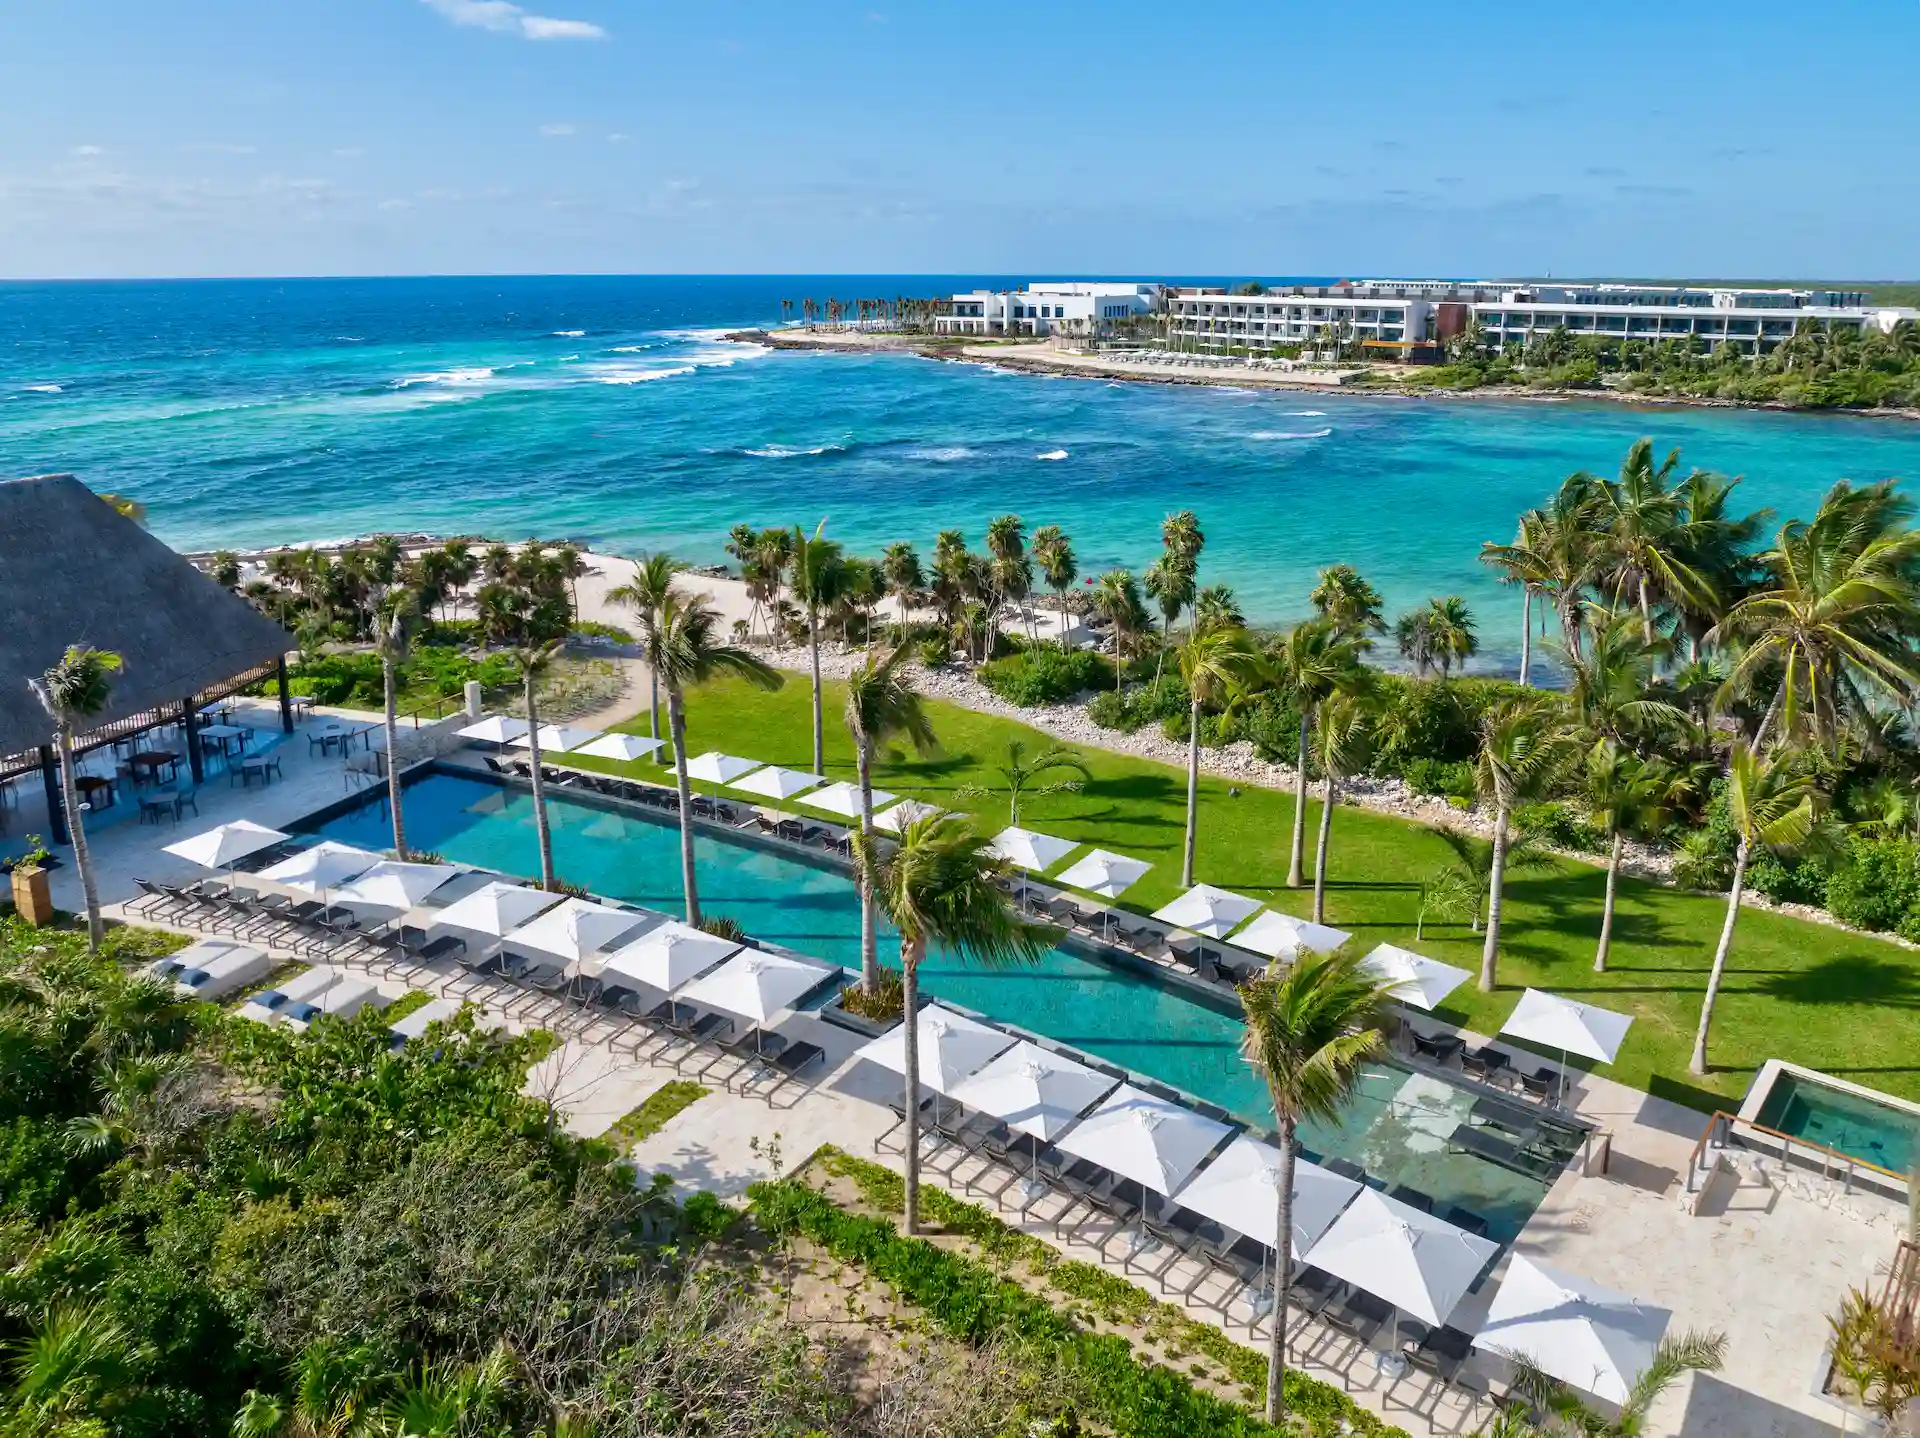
(1842, 1003)
(409, 1001)
(654, 1112)
(974, 1301)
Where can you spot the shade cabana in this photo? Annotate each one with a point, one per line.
(1034, 1090)
(1416, 979)
(1597, 1340)
(495, 909)
(225, 845)
(321, 869)
(1204, 909)
(1279, 935)
(1031, 851)
(844, 799)
(1106, 874)
(713, 767)
(778, 784)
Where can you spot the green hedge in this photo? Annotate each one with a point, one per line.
(969, 1299)
(1045, 675)
(355, 680)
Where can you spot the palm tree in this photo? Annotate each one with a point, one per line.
(941, 886)
(1342, 746)
(646, 595)
(1450, 633)
(1312, 662)
(1413, 636)
(1719, 548)
(1311, 1032)
(881, 705)
(1525, 746)
(1171, 586)
(692, 654)
(1641, 517)
(535, 660)
(1772, 801)
(1053, 552)
(1694, 1351)
(1626, 795)
(80, 1360)
(1835, 613)
(72, 692)
(902, 578)
(447, 1399)
(1344, 596)
(1557, 552)
(1473, 864)
(1215, 608)
(819, 575)
(1019, 775)
(1612, 692)
(1116, 598)
(1523, 563)
(1216, 665)
(396, 613)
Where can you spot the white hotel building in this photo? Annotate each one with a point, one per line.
(1076, 307)
(1405, 315)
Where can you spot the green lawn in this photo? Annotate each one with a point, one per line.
(1837, 1002)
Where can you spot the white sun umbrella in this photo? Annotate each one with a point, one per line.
(952, 1046)
(669, 955)
(226, 844)
(494, 909)
(906, 812)
(757, 984)
(1416, 979)
(1153, 1141)
(1203, 909)
(778, 784)
(1029, 851)
(557, 738)
(391, 884)
(576, 928)
(1276, 934)
(320, 870)
(1411, 1259)
(844, 799)
(619, 746)
(1586, 1335)
(494, 729)
(713, 767)
(1037, 1092)
(1105, 874)
(1567, 1025)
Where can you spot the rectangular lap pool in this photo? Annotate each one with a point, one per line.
(1396, 1128)
(1825, 1112)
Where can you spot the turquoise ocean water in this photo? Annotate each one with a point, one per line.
(608, 409)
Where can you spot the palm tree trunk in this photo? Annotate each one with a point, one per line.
(1698, 1064)
(1646, 610)
(677, 722)
(910, 955)
(1526, 632)
(1773, 710)
(1320, 856)
(1490, 951)
(389, 682)
(813, 644)
(1606, 912)
(77, 832)
(539, 790)
(1295, 873)
(869, 929)
(1282, 1281)
(1160, 664)
(653, 709)
(1193, 795)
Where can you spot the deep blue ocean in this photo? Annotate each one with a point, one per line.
(608, 409)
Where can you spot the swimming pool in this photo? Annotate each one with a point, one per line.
(1396, 1127)
(1848, 1119)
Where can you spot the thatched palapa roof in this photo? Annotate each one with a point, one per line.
(72, 571)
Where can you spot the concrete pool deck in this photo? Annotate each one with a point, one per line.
(1766, 1258)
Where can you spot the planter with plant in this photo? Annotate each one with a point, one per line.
(32, 892)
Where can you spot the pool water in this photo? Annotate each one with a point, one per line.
(1847, 1123)
(1396, 1126)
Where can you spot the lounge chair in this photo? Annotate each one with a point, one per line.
(1346, 1168)
(1485, 1064)
(1440, 1352)
(1481, 1144)
(1359, 1315)
(1438, 1047)
(755, 1043)
(1542, 1083)
(1411, 1197)
(1467, 1219)
(791, 1062)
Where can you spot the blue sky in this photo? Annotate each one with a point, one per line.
(193, 137)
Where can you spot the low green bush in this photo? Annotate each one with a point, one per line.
(354, 679)
(1442, 778)
(1044, 675)
(1876, 884)
(1560, 826)
(933, 653)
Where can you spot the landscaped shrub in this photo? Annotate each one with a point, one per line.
(1044, 675)
(933, 653)
(355, 680)
(1788, 880)
(1433, 718)
(1441, 778)
(1876, 884)
(1559, 826)
(1110, 710)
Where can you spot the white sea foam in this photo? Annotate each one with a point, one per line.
(570, 334)
(940, 454)
(629, 349)
(473, 374)
(1228, 389)
(1306, 414)
(629, 374)
(564, 358)
(791, 451)
(1270, 434)
(1052, 454)
(42, 388)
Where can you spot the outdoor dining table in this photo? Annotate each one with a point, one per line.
(153, 761)
(301, 705)
(220, 711)
(91, 786)
(228, 736)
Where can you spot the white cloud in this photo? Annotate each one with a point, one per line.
(618, 138)
(510, 19)
(557, 132)
(88, 152)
